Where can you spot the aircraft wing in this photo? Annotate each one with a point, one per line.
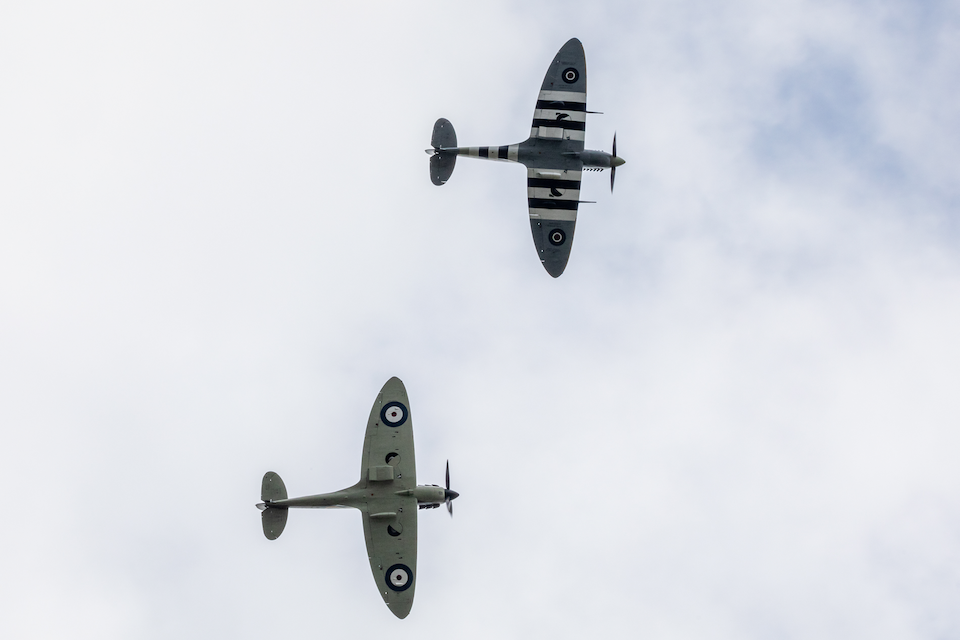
(389, 436)
(553, 196)
(561, 112)
(390, 520)
(553, 172)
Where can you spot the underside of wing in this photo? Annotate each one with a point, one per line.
(388, 443)
(553, 196)
(561, 112)
(390, 531)
(389, 519)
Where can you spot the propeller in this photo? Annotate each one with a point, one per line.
(613, 167)
(448, 495)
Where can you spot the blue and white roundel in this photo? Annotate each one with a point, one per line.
(393, 414)
(399, 577)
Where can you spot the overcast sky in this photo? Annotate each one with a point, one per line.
(734, 416)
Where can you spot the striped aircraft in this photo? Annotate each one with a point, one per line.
(554, 155)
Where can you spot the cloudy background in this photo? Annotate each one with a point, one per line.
(734, 416)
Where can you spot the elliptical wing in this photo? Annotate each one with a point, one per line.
(550, 155)
(561, 112)
(390, 520)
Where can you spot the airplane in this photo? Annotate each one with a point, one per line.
(554, 155)
(387, 496)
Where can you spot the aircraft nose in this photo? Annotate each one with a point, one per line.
(616, 161)
(452, 495)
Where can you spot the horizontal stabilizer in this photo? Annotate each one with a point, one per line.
(443, 134)
(274, 519)
(272, 488)
(441, 168)
(442, 164)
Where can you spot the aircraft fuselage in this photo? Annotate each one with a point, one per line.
(357, 497)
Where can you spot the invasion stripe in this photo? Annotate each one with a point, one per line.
(565, 96)
(554, 174)
(556, 133)
(564, 124)
(547, 183)
(542, 203)
(548, 194)
(561, 105)
(508, 152)
(553, 214)
(569, 115)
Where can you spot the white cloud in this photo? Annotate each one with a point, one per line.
(732, 416)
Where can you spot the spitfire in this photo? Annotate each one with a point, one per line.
(554, 155)
(387, 496)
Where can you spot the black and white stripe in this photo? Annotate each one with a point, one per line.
(560, 115)
(506, 153)
(553, 194)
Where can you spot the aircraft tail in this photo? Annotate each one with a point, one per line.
(273, 518)
(442, 164)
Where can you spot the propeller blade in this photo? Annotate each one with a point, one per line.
(613, 168)
(449, 495)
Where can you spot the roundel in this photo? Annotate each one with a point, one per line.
(399, 577)
(557, 237)
(570, 75)
(393, 414)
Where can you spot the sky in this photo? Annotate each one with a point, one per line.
(733, 416)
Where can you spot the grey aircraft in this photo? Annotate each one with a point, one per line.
(387, 496)
(554, 155)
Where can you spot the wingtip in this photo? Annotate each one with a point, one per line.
(573, 46)
(555, 270)
(401, 610)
